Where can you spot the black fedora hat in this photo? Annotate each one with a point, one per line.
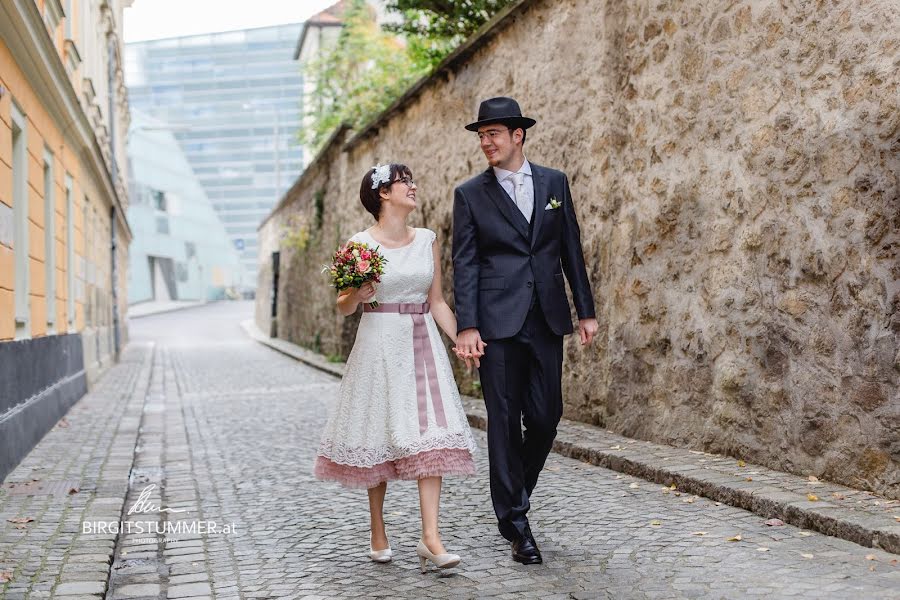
(500, 110)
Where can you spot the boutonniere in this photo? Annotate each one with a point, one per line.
(553, 204)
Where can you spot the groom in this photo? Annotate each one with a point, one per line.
(514, 235)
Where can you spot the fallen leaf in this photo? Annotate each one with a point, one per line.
(63, 422)
(774, 522)
(633, 485)
(699, 533)
(718, 504)
(897, 517)
(813, 479)
(677, 494)
(742, 463)
(872, 568)
(5, 576)
(893, 561)
(736, 538)
(762, 549)
(871, 557)
(748, 479)
(21, 520)
(812, 497)
(690, 500)
(73, 490)
(838, 496)
(616, 447)
(672, 486)
(807, 555)
(805, 533)
(656, 522)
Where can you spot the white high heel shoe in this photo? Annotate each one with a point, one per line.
(441, 561)
(380, 556)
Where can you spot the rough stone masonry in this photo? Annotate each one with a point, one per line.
(735, 171)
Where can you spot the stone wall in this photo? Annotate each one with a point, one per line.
(735, 171)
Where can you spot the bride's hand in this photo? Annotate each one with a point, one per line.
(463, 357)
(365, 292)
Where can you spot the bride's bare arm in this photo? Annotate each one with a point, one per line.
(441, 312)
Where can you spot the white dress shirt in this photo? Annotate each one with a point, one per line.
(525, 201)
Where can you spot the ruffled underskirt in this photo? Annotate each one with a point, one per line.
(430, 463)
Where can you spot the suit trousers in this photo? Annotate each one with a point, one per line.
(521, 382)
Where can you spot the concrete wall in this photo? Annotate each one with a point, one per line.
(735, 171)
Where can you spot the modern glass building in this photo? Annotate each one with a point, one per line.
(180, 249)
(233, 100)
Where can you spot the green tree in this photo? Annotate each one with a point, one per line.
(369, 67)
(361, 76)
(435, 27)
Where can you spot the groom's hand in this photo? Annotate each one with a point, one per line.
(588, 329)
(470, 345)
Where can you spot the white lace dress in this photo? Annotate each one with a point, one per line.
(398, 414)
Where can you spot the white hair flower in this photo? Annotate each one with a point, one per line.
(381, 175)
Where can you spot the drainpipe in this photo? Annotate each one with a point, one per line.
(111, 87)
(115, 289)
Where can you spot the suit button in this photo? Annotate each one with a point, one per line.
(529, 284)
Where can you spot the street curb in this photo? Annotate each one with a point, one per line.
(849, 514)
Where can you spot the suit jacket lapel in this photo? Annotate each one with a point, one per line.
(540, 196)
(504, 203)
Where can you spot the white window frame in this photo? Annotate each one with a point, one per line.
(22, 312)
(50, 241)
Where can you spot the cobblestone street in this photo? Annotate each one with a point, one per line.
(228, 431)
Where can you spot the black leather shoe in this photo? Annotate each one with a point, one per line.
(524, 551)
(530, 537)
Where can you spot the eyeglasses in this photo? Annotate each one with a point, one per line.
(406, 180)
(491, 133)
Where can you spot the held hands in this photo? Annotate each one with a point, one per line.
(469, 347)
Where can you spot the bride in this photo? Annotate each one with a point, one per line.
(398, 414)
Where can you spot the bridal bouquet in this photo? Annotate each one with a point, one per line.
(355, 264)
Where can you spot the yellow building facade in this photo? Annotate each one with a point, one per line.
(63, 199)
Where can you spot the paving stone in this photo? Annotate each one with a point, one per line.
(137, 590)
(80, 587)
(188, 589)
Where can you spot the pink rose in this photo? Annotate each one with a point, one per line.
(366, 255)
(362, 266)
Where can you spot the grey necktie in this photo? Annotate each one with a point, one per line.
(522, 195)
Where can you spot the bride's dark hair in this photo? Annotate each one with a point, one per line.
(371, 198)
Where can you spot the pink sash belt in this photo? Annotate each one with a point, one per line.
(423, 358)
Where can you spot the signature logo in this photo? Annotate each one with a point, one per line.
(143, 505)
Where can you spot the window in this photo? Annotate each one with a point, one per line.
(49, 241)
(159, 199)
(20, 223)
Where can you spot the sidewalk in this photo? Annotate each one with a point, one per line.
(835, 510)
(144, 309)
(79, 472)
